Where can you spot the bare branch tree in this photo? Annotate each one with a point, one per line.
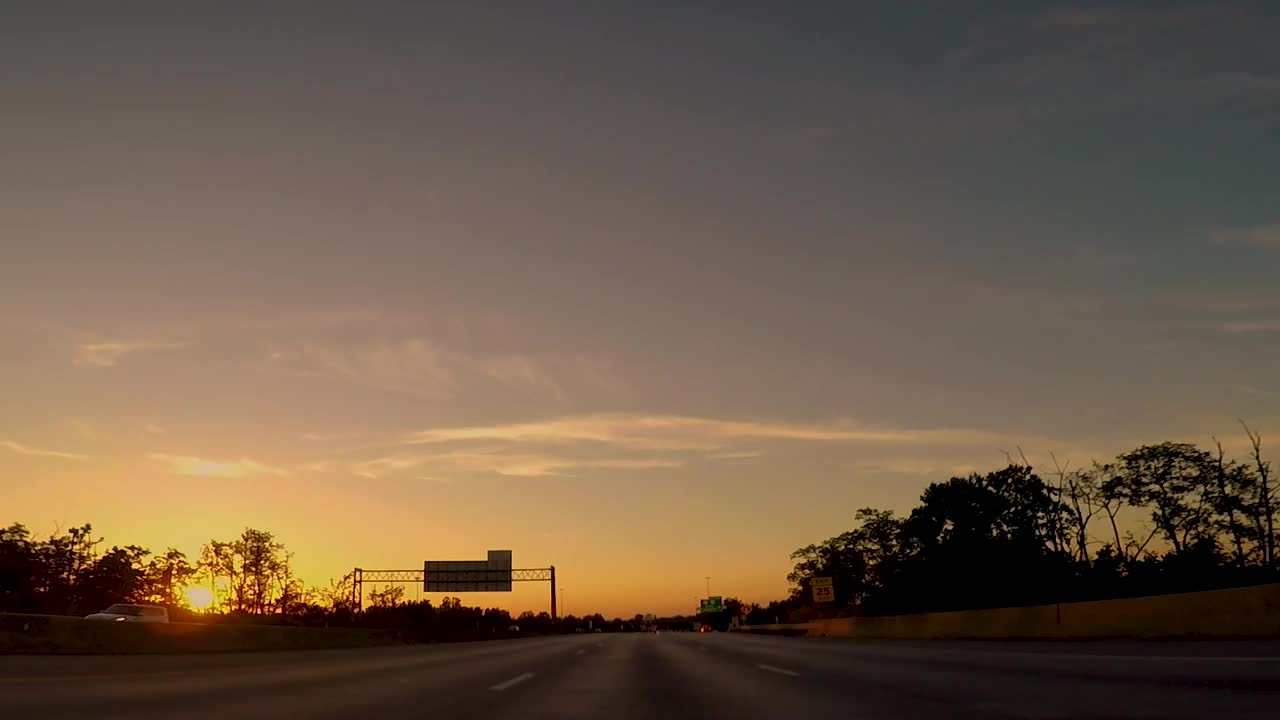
(1112, 500)
(1265, 500)
(1080, 489)
(1132, 544)
(1226, 500)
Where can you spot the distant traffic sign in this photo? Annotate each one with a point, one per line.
(822, 589)
(711, 605)
(491, 575)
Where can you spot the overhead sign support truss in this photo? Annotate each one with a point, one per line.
(360, 576)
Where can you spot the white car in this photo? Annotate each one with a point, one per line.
(122, 612)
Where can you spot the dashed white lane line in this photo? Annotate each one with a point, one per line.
(1022, 711)
(512, 682)
(780, 671)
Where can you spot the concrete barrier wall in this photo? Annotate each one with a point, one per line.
(58, 634)
(1236, 612)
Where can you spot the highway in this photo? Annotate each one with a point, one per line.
(663, 676)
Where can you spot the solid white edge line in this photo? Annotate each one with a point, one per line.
(1157, 658)
(780, 671)
(513, 681)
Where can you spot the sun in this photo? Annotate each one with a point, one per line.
(200, 597)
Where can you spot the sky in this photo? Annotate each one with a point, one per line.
(653, 292)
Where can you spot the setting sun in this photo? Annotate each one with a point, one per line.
(199, 596)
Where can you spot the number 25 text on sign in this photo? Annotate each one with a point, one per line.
(822, 589)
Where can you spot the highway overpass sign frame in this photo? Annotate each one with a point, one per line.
(360, 576)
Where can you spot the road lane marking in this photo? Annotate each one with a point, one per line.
(581, 652)
(1138, 658)
(1022, 711)
(512, 682)
(1156, 658)
(780, 671)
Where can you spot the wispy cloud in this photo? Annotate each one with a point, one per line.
(1249, 391)
(541, 465)
(202, 467)
(1226, 302)
(414, 366)
(1258, 235)
(500, 462)
(676, 432)
(153, 429)
(738, 455)
(520, 371)
(21, 449)
(321, 466)
(109, 354)
(330, 436)
(1087, 257)
(1251, 327)
(378, 467)
(85, 429)
(916, 467)
(1035, 64)
(428, 368)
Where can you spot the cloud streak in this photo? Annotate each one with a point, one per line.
(677, 432)
(1251, 327)
(1034, 65)
(321, 466)
(19, 448)
(202, 467)
(520, 371)
(1258, 236)
(511, 464)
(423, 367)
(109, 354)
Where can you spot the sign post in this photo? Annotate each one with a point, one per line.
(822, 589)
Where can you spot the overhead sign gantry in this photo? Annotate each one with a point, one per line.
(494, 574)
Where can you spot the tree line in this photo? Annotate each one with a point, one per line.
(248, 579)
(68, 573)
(1166, 517)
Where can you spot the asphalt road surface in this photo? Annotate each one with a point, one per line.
(665, 676)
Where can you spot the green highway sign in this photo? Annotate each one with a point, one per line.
(712, 604)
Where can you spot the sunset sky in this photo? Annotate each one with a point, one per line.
(649, 291)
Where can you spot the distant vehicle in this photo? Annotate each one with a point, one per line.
(598, 630)
(123, 612)
(705, 628)
(514, 628)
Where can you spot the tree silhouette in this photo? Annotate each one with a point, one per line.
(1008, 537)
(388, 597)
